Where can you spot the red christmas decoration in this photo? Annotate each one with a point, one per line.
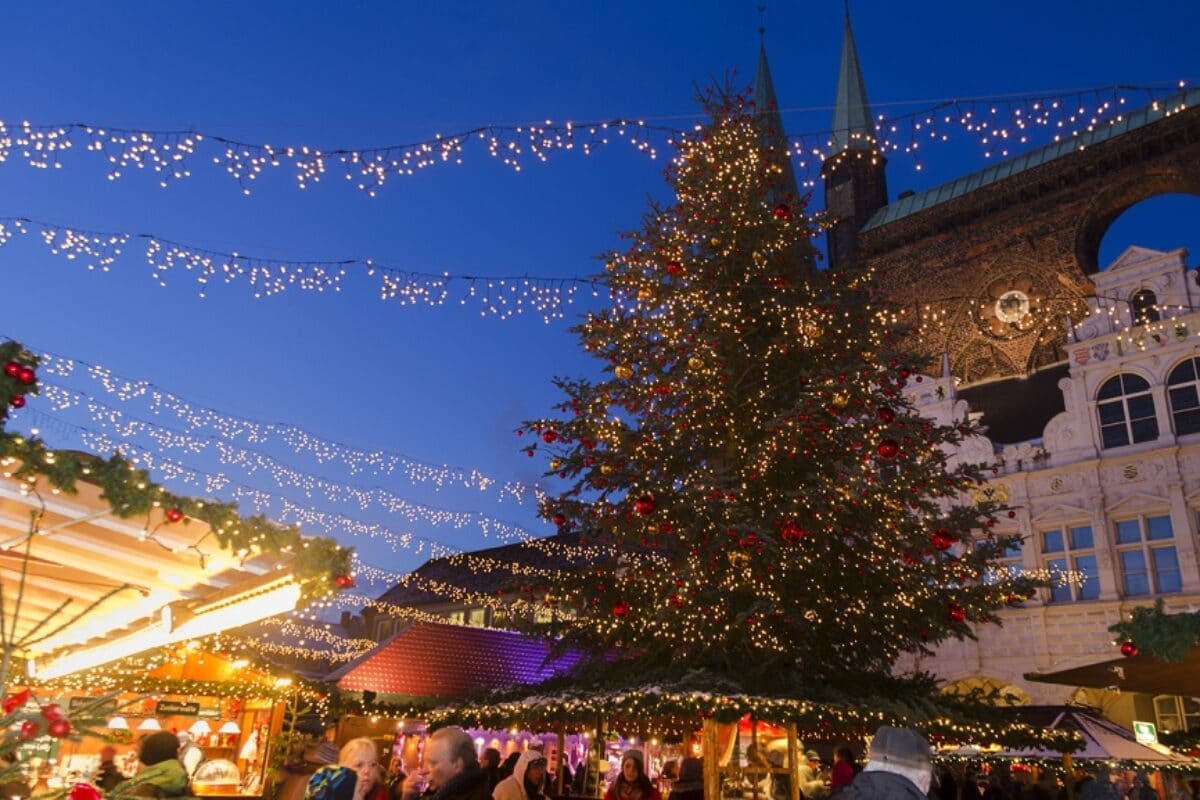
(782, 211)
(957, 613)
(17, 401)
(559, 519)
(60, 728)
(84, 791)
(1012, 514)
(886, 415)
(942, 540)
(674, 267)
(29, 729)
(15, 701)
(549, 436)
(620, 608)
(888, 448)
(344, 581)
(645, 505)
(26, 375)
(174, 515)
(51, 712)
(1129, 649)
(792, 532)
(12, 369)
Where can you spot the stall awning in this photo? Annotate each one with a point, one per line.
(450, 662)
(1141, 673)
(1103, 740)
(94, 587)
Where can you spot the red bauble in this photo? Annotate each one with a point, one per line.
(674, 267)
(84, 791)
(957, 613)
(782, 211)
(792, 532)
(174, 515)
(17, 401)
(344, 581)
(559, 519)
(12, 369)
(886, 415)
(1012, 514)
(60, 728)
(51, 712)
(29, 729)
(942, 540)
(645, 505)
(1129, 649)
(620, 608)
(26, 375)
(15, 701)
(888, 448)
(549, 436)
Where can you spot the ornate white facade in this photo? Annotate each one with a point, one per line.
(1111, 490)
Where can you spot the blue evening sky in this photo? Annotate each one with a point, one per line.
(445, 384)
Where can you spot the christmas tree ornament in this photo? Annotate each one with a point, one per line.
(674, 267)
(885, 415)
(12, 369)
(26, 375)
(344, 581)
(84, 791)
(60, 728)
(174, 515)
(645, 505)
(942, 540)
(695, 363)
(559, 519)
(1129, 649)
(888, 449)
(17, 401)
(51, 712)
(15, 701)
(620, 608)
(623, 372)
(957, 613)
(782, 212)
(29, 730)
(549, 436)
(555, 464)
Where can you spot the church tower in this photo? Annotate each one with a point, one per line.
(855, 179)
(774, 142)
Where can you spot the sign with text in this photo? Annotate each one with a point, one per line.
(100, 707)
(1145, 732)
(166, 707)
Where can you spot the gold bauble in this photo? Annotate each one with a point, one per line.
(555, 464)
(605, 469)
(839, 401)
(738, 558)
(695, 363)
(645, 295)
(813, 331)
(624, 372)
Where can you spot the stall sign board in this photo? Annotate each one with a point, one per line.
(1145, 733)
(166, 707)
(102, 708)
(209, 712)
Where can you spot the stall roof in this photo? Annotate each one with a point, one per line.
(134, 580)
(1141, 673)
(450, 662)
(1103, 740)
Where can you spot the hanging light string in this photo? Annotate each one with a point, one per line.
(997, 121)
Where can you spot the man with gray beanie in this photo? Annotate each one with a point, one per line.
(898, 766)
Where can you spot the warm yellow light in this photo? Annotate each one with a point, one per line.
(149, 724)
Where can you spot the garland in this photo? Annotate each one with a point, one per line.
(318, 563)
(1166, 637)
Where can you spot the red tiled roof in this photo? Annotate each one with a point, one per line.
(451, 662)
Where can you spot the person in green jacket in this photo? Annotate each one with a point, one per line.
(162, 773)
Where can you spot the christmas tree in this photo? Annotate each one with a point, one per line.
(771, 511)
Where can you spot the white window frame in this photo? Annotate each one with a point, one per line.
(1147, 546)
(1071, 555)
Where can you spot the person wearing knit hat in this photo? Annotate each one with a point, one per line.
(632, 783)
(898, 766)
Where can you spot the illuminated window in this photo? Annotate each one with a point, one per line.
(1071, 549)
(1126, 411)
(1183, 394)
(1173, 713)
(1146, 550)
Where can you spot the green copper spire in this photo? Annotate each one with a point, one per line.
(852, 125)
(770, 122)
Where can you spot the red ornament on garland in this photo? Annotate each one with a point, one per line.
(674, 267)
(559, 519)
(782, 211)
(29, 730)
(957, 613)
(174, 515)
(886, 415)
(84, 791)
(1129, 649)
(792, 532)
(620, 608)
(15, 701)
(12, 369)
(344, 581)
(17, 401)
(888, 448)
(942, 540)
(26, 375)
(645, 505)
(549, 436)
(60, 728)
(51, 712)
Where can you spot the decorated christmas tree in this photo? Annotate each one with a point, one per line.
(761, 503)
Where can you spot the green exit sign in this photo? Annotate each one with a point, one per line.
(1145, 732)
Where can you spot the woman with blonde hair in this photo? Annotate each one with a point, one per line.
(362, 757)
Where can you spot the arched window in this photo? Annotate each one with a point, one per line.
(1184, 395)
(1126, 411)
(1144, 305)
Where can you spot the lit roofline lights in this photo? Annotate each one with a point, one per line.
(176, 624)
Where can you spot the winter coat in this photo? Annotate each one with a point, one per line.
(470, 784)
(164, 779)
(513, 787)
(842, 775)
(614, 792)
(881, 786)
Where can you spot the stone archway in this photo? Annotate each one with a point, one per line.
(1114, 200)
(999, 692)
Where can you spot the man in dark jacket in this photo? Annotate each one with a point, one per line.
(451, 770)
(897, 768)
